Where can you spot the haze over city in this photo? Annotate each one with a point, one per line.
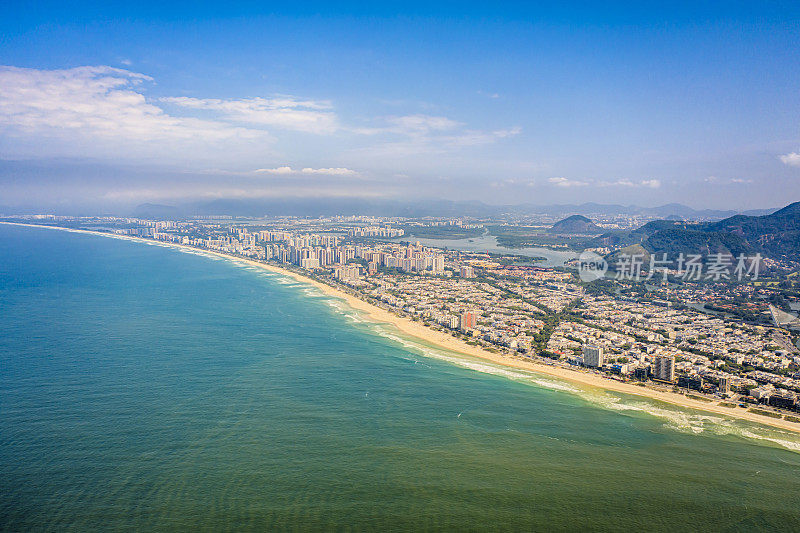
(106, 109)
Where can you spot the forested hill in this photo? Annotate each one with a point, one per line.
(775, 235)
(576, 224)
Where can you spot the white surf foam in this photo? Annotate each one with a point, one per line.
(478, 366)
(698, 423)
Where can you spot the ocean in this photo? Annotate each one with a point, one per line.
(144, 387)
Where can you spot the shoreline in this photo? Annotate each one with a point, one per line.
(445, 341)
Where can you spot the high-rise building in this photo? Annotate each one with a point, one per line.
(724, 384)
(438, 264)
(664, 368)
(468, 320)
(346, 273)
(593, 356)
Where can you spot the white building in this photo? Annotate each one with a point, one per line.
(592, 356)
(664, 367)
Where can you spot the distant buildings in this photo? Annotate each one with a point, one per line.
(593, 356)
(467, 272)
(438, 264)
(373, 231)
(663, 368)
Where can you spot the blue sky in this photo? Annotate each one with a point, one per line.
(110, 106)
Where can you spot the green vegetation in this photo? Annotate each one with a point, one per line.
(736, 235)
(701, 398)
(764, 413)
(575, 224)
(549, 354)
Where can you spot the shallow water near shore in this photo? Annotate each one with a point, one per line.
(142, 387)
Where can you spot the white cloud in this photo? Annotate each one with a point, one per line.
(424, 134)
(98, 111)
(330, 171)
(566, 182)
(725, 181)
(792, 159)
(647, 184)
(475, 138)
(422, 124)
(102, 112)
(284, 112)
(426, 129)
(289, 171)
(278, 170)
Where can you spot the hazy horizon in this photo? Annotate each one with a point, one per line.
(326, 206)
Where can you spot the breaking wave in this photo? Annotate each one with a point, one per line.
(478, 366)
(695, 422)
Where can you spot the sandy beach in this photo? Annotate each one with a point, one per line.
(443, 340)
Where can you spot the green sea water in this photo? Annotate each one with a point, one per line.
(144, 388)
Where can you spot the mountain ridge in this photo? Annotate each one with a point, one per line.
(774, 235)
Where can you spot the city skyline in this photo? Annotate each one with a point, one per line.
(110, 109)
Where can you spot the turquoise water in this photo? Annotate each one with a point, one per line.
(146, 388)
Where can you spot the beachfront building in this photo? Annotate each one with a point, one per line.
(593, 356)
(664, 368)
